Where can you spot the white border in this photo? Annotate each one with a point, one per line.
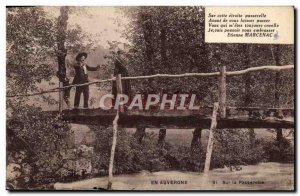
(5, 3)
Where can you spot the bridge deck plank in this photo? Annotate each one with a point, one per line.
(236, 118)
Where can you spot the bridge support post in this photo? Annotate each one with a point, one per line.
(115, 132)
(213, 127)
(161, 137)
(196, 141)
(139, 134)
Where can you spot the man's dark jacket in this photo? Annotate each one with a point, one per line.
(80, 76)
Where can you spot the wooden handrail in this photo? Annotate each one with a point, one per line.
(229, 73)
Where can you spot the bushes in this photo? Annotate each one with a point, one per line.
(130, 156)
(279, 151)
(133, 157)
(231, 148)
(190, 160)
(40, 136)
(234, 147)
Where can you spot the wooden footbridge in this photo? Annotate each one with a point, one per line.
(218, 116)
(235, 118)
(229, 117)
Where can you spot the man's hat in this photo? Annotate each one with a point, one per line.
(78, 57)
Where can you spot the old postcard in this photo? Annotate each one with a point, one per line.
(150, 98)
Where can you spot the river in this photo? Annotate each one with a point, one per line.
(263, 176)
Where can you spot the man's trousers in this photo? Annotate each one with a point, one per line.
(85, 91)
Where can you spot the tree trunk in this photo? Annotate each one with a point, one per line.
(147, 26)
(62, 51)
(61, 39)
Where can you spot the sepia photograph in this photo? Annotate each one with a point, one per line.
(150, 98)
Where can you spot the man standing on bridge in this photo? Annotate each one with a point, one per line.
(81, 77)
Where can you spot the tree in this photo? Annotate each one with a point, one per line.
(171, 40)
(33, 52)
(30, 41)
(166, 40)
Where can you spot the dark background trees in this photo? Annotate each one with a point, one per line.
(171, 40)
(162, 40)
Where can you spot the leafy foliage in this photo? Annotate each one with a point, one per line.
(44, 136)
(30, 47)
(279, 151)
(31, 58)
(171, 40)
(232, 148)
(130, 155)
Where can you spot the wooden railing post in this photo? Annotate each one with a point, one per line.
(112, 152)
(60, 98)
(222, 91)
(210, 143)
(115, 132)
(119, 90)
